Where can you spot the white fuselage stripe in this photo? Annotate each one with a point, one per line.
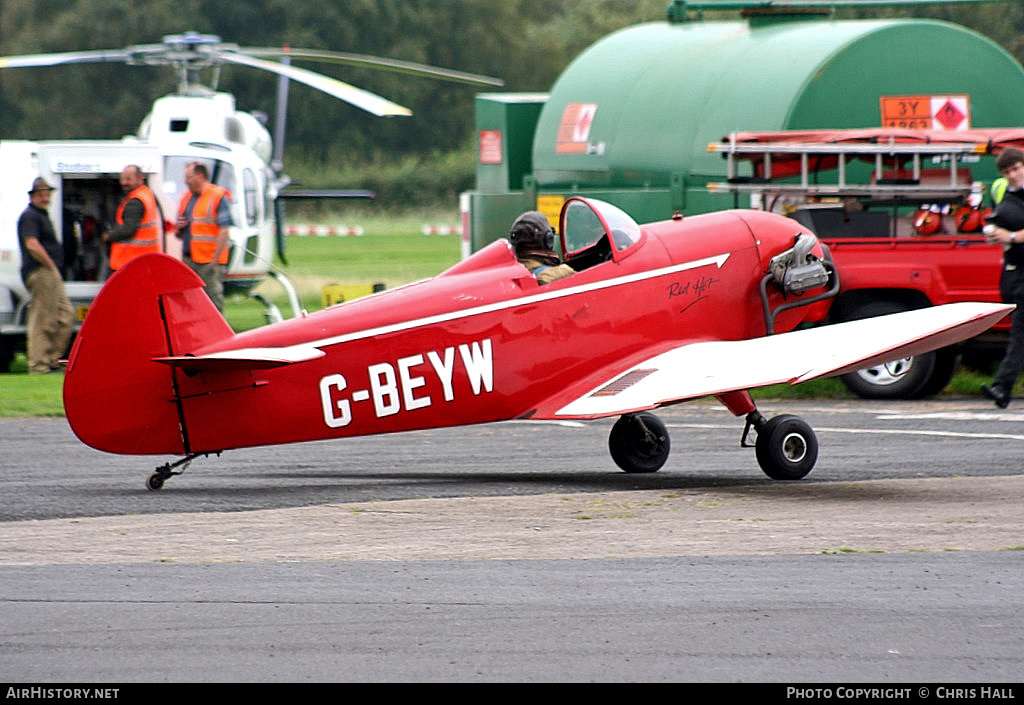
(717, 260)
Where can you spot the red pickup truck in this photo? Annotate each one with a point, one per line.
(901, 212)
(887, 264)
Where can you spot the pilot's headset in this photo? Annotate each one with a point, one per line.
(532, 229)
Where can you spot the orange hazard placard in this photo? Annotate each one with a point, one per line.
(574, 129)
(927, 112)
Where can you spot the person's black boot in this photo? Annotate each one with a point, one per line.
(996, 394)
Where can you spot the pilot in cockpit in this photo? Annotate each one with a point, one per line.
(534, 241)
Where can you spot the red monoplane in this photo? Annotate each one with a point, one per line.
(656, 314)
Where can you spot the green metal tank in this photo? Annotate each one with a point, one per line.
(658, 93)
(629, 120)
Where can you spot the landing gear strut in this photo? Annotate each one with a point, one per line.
(158, 477)
(786, 447)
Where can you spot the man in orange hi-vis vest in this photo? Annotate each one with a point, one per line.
(139, 225)
(204, 219)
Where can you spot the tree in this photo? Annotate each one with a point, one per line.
(527, 43)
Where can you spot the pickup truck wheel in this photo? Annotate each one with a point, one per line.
(906, 378)
(946, 362)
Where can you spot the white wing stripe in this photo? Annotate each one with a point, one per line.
(717, 260)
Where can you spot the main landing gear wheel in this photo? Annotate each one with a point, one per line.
(786, 447)
(639, 443)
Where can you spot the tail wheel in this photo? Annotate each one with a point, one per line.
(639, 443)
(155, 481)
(786, 448)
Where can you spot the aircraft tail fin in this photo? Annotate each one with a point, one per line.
(117, 397)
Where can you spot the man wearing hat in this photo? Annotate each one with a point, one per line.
(534, 241)
(50, 317)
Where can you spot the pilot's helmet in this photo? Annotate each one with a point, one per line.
(532, 229)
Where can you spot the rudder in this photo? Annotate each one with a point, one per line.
(116, 398)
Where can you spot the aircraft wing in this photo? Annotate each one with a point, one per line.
(701, 369)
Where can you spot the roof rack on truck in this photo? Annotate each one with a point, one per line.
(919, 164)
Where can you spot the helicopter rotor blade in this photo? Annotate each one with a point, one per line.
(396, 65)
(71, 57)
(358, 97)
(191, 52)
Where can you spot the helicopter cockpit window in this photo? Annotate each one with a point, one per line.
(221, 173)
(251, 195)
(591, 228)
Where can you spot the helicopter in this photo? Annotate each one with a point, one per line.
(197, 122)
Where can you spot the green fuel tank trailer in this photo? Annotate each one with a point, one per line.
(630, 119)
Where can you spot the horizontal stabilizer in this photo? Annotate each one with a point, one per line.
(243, 359)
(704, 369)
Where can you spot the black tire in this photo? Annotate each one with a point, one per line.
(639, 443)
(786, 448)
(906, 378)
(946, 362)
